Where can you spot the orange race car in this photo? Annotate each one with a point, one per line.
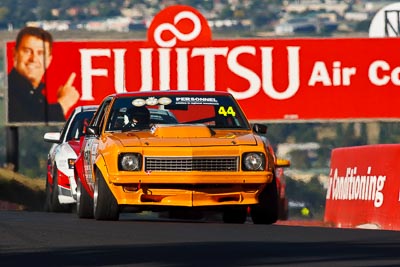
(162, 150)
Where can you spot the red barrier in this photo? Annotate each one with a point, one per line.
(363, 189)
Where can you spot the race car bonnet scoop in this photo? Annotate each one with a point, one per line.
(181, 131)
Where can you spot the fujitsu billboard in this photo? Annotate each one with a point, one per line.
(308, 79)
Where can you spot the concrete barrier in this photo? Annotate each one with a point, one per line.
(363, 190)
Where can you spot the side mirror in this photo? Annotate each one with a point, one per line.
(92, 130)
(52, 137)
(282, 163)
(260, 128)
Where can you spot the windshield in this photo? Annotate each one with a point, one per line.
(217, 112)
(77, 128)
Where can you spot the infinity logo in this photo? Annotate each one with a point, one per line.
(178, 35)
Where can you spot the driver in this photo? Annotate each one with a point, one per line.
(136, 118)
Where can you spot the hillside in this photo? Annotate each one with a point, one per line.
(18, 192)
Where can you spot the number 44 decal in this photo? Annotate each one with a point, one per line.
(226, 112)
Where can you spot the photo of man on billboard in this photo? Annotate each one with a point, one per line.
(27, 101)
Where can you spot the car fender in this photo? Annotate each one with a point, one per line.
(79, 174)
(63, 153)
(100, 164)
(50, 164)
(78, 168)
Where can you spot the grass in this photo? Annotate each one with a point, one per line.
(20, 192)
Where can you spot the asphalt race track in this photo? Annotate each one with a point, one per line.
(61, 239)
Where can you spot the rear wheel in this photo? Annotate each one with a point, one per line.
(105, 206)
(236, 214)
(84, 203)
(267, 210)
(47, 203)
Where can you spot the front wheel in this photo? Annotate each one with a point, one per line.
(267, 209)
(283, 209)
(84, 203)
(55, 205)
(105, 206)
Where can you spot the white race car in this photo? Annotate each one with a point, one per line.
(60, 182)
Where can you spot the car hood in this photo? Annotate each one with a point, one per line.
(185, 135)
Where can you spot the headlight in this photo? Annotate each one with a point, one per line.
(253, 161)
(129, 162)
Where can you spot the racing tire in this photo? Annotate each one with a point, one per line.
(235, 214)
(47, 202)
(55, 205)
(283, 209)
(84, 203)
(267, 210)
(105, 206)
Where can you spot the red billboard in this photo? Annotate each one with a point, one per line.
(315, 79)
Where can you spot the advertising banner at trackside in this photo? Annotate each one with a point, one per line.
(364, 187)
(310, 79)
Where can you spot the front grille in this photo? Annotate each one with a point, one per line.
(226, 164)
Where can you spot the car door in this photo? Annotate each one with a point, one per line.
(91, 142)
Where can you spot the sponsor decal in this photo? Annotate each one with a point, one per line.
(356, 186)
(178, 26)
(196, 100)
(363, 187)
